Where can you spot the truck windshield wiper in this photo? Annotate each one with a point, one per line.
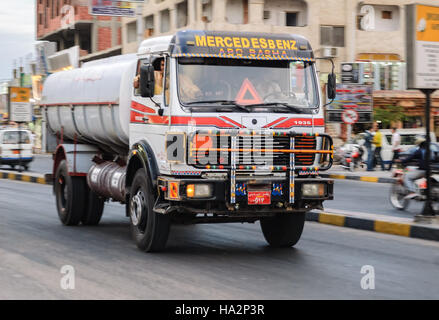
(221, 103)
(292, 108)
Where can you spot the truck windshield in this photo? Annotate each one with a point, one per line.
(219, 81)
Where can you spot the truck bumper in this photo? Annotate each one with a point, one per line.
(174, 195)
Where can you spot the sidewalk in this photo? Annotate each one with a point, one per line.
(378, 223)
(360, 174)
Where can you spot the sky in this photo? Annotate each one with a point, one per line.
(17, 33)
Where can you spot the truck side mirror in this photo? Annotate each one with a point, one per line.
(147, 81)
(331, 86)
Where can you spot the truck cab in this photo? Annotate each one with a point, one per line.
(221, 127)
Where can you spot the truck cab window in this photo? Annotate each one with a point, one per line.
(159, 70)
(136, 81)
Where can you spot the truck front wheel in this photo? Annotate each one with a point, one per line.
(150, 230)
(70, 196)
(283, 230)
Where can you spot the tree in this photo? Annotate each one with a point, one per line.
(389, 114)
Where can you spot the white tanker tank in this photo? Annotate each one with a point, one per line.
(92, 104)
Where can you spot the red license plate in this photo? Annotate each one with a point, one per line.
(259, 197)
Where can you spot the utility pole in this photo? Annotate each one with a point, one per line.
(428, 209)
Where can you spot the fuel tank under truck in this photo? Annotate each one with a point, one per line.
(91, 104)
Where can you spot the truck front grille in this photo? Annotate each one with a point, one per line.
(250, 151)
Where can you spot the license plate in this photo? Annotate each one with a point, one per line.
(16, 151)
(259, 197)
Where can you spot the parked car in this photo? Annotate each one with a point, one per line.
(16, 147)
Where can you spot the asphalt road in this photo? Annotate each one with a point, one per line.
(368, 197)
(350, 196)
(42, 163)
(222, 261)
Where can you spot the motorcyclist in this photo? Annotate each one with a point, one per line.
(420, 156)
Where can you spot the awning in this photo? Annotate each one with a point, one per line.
(378, 57)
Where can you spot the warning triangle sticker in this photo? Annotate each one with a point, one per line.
(247, 94)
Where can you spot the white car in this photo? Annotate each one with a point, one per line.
(16, 147)
(408, 137)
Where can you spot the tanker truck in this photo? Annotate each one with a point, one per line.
(197, 127)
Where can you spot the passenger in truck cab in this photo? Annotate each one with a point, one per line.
(188, 90)
(159, 70)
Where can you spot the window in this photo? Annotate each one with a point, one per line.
(386, 15)
(136, 81)
(182, 14)
(332, 36)
(291, 19)
(208, 81)
(131, 31)
(267, 14)
(13, 137)
(165, 21)
(149, 26)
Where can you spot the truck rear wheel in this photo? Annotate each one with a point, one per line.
(150, 230)
(70, 196)
(283, 230)
(93, 209)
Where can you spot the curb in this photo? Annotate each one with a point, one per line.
(411, 230)
(41, 179)
(358, 178)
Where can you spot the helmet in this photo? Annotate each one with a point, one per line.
(419, 140)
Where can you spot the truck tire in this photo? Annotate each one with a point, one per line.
(70, 196)
(93, 209)
(150, 230)
(283, 230)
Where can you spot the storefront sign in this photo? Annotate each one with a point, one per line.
(350, 72)
(352, 96)
(112, 8)
(21, 108)
(422, 46)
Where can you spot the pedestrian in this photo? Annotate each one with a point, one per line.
(396, 145)
(368, 137)
(378, 142)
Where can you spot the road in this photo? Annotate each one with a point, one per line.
(368, 197)
(223, 261)
(350, 196)
(42, 163)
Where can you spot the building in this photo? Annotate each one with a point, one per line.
(367, 31)
(69, 24)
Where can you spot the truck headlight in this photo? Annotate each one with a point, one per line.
(201, 190)
(313, 189)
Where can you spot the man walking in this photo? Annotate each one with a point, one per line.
(378, 142)
(396, 142)
(368, 137)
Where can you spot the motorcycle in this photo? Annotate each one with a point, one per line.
(351, 155)
(399, 192)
